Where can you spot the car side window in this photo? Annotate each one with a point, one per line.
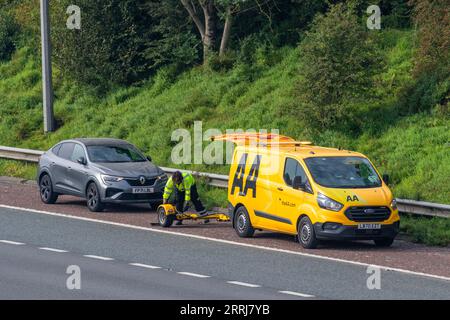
(66, 150)
(56, 148)
(292, 169)
(77, 153)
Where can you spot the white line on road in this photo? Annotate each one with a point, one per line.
(292, 293)
(53, 250)
(196, 275)
(12, 242)
(98, 257)
(385, 268)
(144, 266)
(244, 284)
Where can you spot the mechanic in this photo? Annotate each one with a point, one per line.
(185, 192)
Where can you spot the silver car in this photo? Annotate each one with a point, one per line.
(101, 171)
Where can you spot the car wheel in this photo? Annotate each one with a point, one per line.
(242, 223)
(384, 242)
(164, 220)
(94, 202)
(306, 234)
(48, 196)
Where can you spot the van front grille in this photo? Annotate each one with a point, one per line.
(368, 214)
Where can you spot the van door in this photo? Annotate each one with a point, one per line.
(289, 198)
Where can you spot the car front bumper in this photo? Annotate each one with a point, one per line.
(353, 233)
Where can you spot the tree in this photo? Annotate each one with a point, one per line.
(337, 66)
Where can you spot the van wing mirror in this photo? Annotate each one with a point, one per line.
(386, 178)
(298, 183)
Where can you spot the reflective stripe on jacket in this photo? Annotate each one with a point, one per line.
(185, 185)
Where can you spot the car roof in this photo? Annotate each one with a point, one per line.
(98, 141)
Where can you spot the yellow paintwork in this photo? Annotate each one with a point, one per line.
(170, 209)
(290, 203)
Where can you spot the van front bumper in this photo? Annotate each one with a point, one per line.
(353, 233)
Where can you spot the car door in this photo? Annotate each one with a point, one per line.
(76, 172)
(290, 199)
(59, 168)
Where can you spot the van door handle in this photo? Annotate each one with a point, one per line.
(280, 189)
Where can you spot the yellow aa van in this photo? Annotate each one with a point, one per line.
(315, 193)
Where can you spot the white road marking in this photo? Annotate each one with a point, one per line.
(292, 293)
(244, 284)
(196, 275)
(144, 266)
(310, 255)
(53, 250)
(12, 242)
(98, 257)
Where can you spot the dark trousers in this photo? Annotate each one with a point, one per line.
(180, 196)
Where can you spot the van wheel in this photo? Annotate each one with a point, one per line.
(242, 223)
(384, 242)
(164, 220)
(306, 234)
(48, 196)
(93, 200)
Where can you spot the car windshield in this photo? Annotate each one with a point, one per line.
(343, 172)
(114, 153)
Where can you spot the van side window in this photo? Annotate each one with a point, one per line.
(292, 169)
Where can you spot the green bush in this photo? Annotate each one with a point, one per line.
(9, 31)
(338, 61)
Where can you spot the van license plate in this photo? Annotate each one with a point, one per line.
(143, 190)
(369, 226)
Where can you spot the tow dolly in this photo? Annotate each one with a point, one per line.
(167, 214)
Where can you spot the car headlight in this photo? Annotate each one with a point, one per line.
(327, 203)
(394, 204)
(109, 179)
(162, 177)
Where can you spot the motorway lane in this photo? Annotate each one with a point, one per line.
(273, 271)
(403, 254)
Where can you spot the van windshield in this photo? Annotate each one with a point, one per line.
(343, 172)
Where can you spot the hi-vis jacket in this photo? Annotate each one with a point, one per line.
(185, 185)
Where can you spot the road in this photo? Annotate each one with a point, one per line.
(118, 262)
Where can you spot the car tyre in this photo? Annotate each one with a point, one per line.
(384, 242)
(93, 200)
(306, 234)
(242, 223)
(165, 220)
(48, 196)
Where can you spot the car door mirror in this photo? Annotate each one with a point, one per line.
(297, 183)
(82, 161)
(149, 158)
(386, 178)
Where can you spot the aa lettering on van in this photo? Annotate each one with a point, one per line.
(250, 183)
(350, 199)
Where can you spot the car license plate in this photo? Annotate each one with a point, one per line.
(369, 226)
(143, 190)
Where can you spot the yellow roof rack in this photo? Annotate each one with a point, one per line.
(262, 139)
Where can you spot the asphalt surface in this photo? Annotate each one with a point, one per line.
(27, 271)
(403, 254)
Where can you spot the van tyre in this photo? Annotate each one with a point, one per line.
(93, 200)
(306, 234)
(242, 223)
(384, 242)
(165, 220)
(48, 196)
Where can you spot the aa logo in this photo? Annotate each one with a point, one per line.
(250, 182)
(350, 199)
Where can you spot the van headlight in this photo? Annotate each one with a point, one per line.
(394, 204)
(326, 203)
(110, 179)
